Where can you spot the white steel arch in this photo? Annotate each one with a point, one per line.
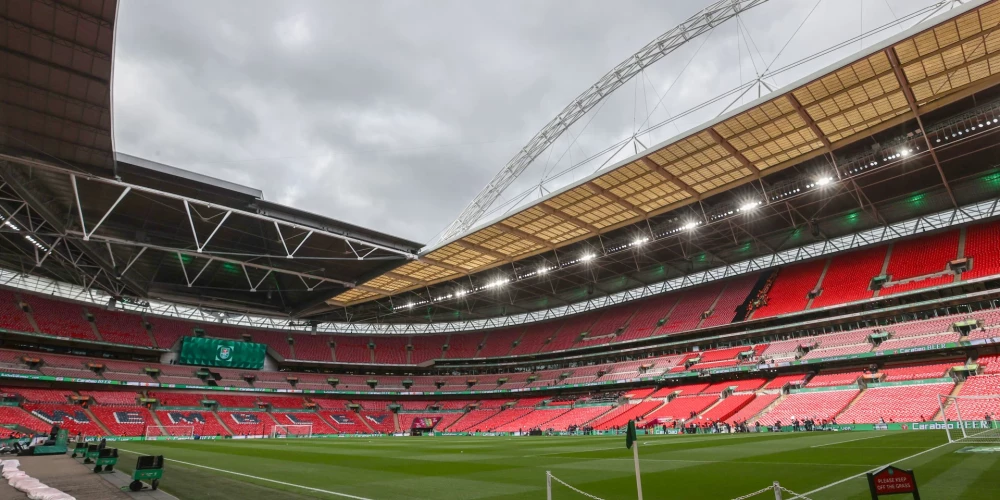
(695, 26)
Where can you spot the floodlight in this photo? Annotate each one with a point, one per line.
(587, 257)
(690, 225)
(543, 270)
(822, 181)
(746, 207)
(640, 241)
(497, 283)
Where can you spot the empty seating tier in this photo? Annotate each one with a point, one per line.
(203, 422)
(120, 327)
(849, 276)
(835, 378)
(319, 426)
(247, 423)
(923, 255)
(732, 297)
(790, 291)
(345, 422)
(500, 342)
(576, 417)
(981, 246)
(914, 263)
(60, 318)
(976, 406)
(11, 315)
(755, 406)
(650, 312)
(622, 414)
(728, 407)
(683, 408)
(312, 347)
(124, 420)
(818, 406)
(916, 371)
(464, 346)
(691, 309)
(908, 403)
(426, 348)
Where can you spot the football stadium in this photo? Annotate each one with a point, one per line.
(796, 297)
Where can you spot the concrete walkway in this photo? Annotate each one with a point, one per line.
(74, 478)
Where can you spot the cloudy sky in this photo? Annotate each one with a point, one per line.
(394, 114)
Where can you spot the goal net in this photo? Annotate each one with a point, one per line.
(292, 430)
(971, 419)
(170, 431)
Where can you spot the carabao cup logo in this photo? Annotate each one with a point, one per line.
(225, 353)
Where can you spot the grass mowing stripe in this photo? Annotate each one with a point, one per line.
(707, 438)
(848, 441)
(328, 492)
(846, 479)
(739, 462)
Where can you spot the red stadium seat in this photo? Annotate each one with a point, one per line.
(312, 347)
(815, 405)
(60, 318)
(733, 296)
(909, 403)
(753, 408)
(981, 247)
(622, 414)
(918, 257)
(203, 422)
(124, 420)
(790, 291)
(11, 315)
(500, 342)
(121, 327)
(687, 314)
(849, 277)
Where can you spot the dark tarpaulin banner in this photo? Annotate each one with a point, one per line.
(222, 352)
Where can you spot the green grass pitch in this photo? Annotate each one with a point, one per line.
(710, 467)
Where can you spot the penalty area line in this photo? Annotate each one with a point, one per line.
(328, 492)
(848, 441)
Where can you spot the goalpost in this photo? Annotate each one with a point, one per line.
(171, 431)
(971, 419)
(292, 430)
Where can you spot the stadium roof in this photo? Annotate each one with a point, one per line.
(55, 80)
(883, 86)
(72, 210)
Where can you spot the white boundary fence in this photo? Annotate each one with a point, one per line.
(778, 490)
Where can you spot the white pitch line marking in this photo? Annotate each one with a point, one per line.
(835, 483)
(737, 462)
(848, 441)
(328, 492)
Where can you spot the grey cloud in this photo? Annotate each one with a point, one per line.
(387, 114)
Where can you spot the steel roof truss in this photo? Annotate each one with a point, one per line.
(908, 93)
(31, 163)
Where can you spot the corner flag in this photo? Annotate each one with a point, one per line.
(630, 434)
(630, 439)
